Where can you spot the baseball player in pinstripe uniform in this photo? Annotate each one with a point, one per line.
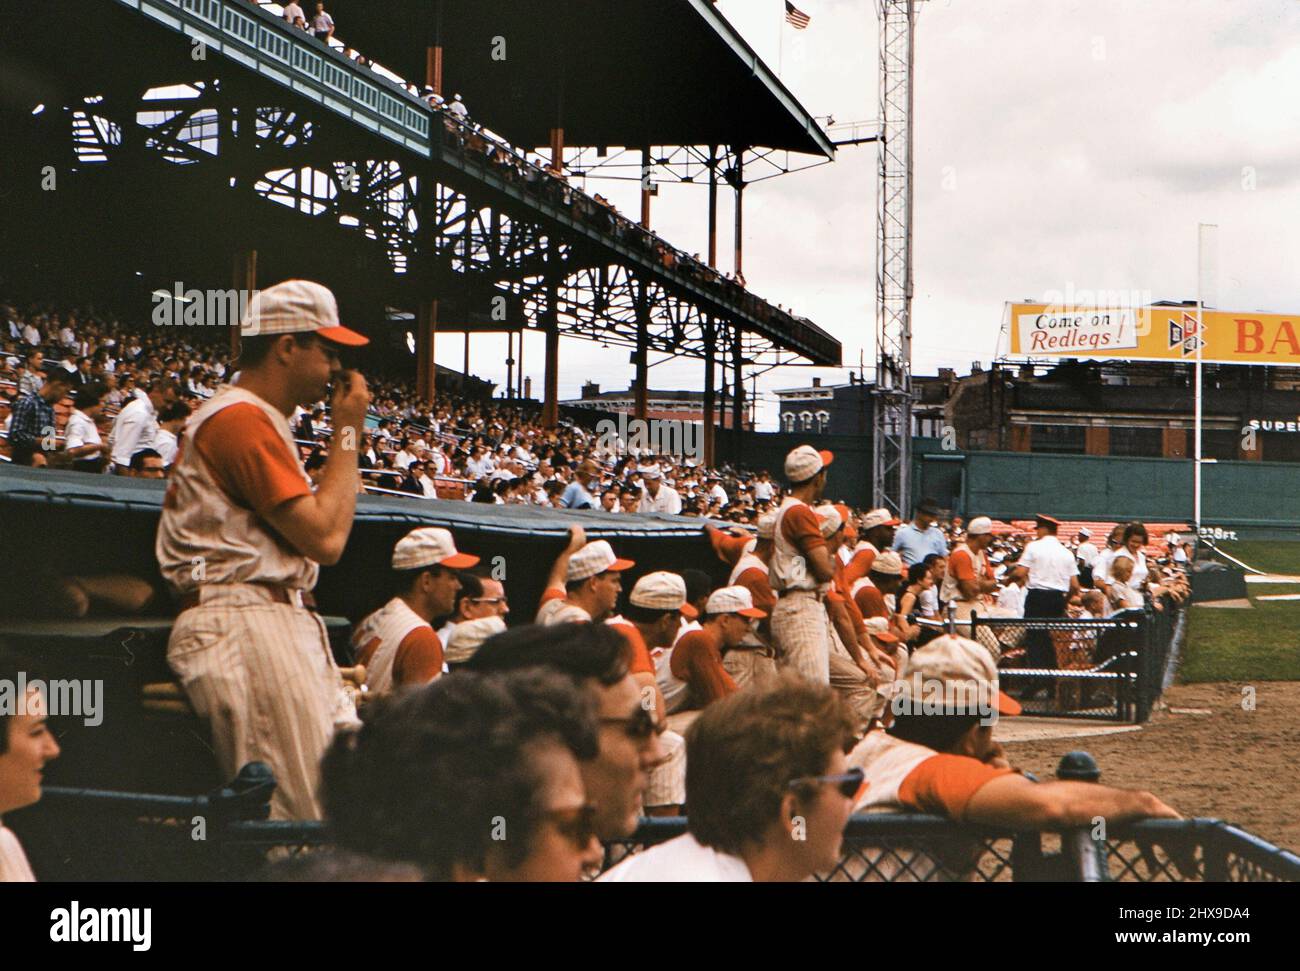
(242, 534)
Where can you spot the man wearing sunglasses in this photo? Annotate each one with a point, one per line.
(242, 536)
(596, 657)
(479, 597)
(768, 787)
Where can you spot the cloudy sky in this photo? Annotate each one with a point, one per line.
(1060, 145)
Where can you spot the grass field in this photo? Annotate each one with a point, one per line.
(1261, 644)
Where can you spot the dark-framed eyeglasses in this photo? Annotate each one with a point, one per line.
(640, 725)
(849, 783)
(577, 824)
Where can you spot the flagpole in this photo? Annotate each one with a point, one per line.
(780, 44)
(1206, 242)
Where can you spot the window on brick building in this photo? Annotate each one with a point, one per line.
(1058, 439)
(1137, 442)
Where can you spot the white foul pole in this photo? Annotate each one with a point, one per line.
(1207, 260)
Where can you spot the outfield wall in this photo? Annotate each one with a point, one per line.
(1254, 499)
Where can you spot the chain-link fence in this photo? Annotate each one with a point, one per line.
(93, 835)
(1103, 670)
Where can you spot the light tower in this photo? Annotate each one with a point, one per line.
(892, 427)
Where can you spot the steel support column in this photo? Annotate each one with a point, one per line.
(709, 336)
(426, 338)
(551, 378)
(641, 354)
(738, 390)
(645, 187)
(244, 280)
(713, 206)
(740, 215)
(510, 363)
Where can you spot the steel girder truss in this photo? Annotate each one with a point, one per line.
(892, 427)
(688, 164)
(430, 230)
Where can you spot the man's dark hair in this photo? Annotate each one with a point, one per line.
(931, 559)
(581, 651)
(89, 396)
(935, 731)
(471, 588)
(434, 771)
(175, 411)
(255, 349)
(744, 750)
(137, 458)
(160, 383)
(698, 584)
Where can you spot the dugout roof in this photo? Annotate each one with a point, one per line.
(609, 72)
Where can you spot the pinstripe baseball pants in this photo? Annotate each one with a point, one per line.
(667, 785)
(262, 675)
(802, 632)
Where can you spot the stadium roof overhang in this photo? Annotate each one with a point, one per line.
(609, 72)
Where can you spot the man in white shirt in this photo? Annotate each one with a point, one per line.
(716, 492)
(1086, 553)
(769, 789)
(293, 13)
(659, 497)
(171, 422)
(31, 334)
(405, 457)
(136, 425)
(1052, 574)
(763, 489)
(81, 439)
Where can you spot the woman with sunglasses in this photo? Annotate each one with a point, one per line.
(768, 787)
(474, 777)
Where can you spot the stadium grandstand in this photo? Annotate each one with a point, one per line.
(331, 591)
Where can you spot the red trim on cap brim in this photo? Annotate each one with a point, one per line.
(883, 636)
(689, 612)
(751, 612)
(343, 336)
(619, 565)
(1008, 705)
(827, 456)
(458, 561)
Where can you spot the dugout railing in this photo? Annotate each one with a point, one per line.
(1113, 669)
(95, 835)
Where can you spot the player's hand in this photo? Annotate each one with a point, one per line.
(351, 399)
(577, 539)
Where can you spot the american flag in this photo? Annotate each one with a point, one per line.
(795, 17)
